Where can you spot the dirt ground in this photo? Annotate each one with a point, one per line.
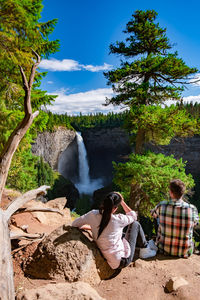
(146, 281)
(142, 280)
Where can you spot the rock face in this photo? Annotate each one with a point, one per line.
(61, 291)
(51, 145)
(187, 148)
(104, 146)
(69, 255)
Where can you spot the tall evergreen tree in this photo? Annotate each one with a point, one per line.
(21, 32)
(151, 74)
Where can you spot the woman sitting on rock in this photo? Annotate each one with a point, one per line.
(107, 229)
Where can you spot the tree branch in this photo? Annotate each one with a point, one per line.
(20, 201)
(24, 79)
(26, 236)
(33, 69)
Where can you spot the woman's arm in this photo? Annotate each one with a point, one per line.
(86, 227)
(125, 207)
(82, 221)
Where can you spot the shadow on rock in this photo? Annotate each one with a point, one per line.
(68, 254)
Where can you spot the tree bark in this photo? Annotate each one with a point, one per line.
(6, 269)
(7, 291)
(21, 129)
(140, 140)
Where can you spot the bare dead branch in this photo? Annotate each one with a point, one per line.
(33, 69)
(20, 201)
(26, 236)
(24, 79)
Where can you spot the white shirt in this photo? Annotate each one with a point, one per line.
(110, 242)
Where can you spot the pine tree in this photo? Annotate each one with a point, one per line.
(151, 74)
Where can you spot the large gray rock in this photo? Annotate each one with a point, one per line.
(51, 145)
(68, 254)
(61, 291)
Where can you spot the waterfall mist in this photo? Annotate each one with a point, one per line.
(85, 184)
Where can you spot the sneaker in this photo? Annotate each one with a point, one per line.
(147, 253)
(152, 245)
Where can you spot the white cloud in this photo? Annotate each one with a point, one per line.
(97, 68)
(85, 102)
(196, 80)
(187, 99)
(50, 82)
(70, 65)
(192, 99)
(59, 65)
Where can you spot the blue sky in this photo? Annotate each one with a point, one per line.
(87, 28)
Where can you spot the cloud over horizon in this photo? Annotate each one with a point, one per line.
(92, 102)
(84, 102)
(70, 65)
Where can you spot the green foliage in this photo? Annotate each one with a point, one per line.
(151, 173)
(45, 175)
(161, 124)
(22, 173)
(20, 33)
(155, 75)
(81, 122)
(74, 215)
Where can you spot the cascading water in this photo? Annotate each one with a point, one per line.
(85, 184)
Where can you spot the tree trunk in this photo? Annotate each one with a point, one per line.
(19, 132)
(11, 146)
(135, 196)
(140, 140)
(6, 270)
(7, 291)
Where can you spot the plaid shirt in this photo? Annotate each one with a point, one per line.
(176, 221)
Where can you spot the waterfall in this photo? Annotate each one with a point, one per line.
(85, 184)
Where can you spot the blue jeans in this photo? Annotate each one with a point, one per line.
(136, 238)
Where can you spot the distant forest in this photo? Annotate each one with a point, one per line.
(80, 122)
(100, 120)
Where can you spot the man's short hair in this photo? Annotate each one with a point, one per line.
(177, 187)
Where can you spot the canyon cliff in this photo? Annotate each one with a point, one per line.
(59, 149)
(103, 146)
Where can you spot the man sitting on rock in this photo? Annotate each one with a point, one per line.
(176, 220)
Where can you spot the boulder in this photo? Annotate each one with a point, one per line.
(58, 203)
(174, 283)
(61, 291)
(50, 218)
(39, 221)
(68, 254)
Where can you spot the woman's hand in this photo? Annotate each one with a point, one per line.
(125, 207)
(86, 227)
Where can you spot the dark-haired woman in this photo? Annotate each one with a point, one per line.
(107, 228)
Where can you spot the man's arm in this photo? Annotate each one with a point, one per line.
(155, 211)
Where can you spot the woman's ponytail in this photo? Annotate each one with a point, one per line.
(112, 200)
